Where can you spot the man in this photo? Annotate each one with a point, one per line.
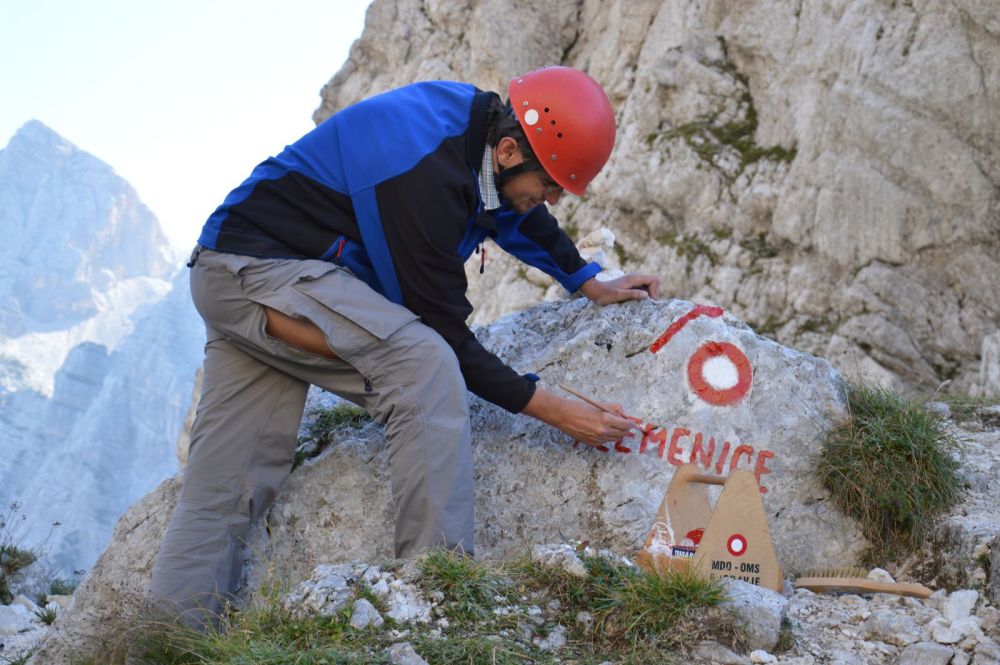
(340, 263)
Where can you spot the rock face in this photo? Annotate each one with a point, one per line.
(826, 171)
(713, 392)
(99, 344)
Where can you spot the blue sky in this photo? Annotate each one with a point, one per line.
(183, 97)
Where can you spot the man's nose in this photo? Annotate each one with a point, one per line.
(552, 196)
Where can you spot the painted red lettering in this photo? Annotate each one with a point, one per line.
(704, 456)
(740, 450)
(722, 458)
(675, 448)
(759, 469)
(656, 436)
(621, 448)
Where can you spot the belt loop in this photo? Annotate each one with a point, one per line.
(194, 256)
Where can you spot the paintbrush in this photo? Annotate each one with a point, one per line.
(600, 406)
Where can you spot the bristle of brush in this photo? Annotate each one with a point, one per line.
(836, 572)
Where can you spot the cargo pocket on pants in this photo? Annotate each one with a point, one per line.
(372, 316)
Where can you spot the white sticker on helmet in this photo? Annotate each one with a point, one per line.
(531, 116)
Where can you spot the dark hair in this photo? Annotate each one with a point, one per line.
(503, 123)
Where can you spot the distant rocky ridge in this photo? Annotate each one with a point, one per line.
(828, 172)
(99, 344)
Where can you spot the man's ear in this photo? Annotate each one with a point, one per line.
(508, 154)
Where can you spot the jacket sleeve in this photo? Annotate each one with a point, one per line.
(424, 215)
(536, 239)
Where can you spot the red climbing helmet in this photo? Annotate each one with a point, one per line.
(569, 123)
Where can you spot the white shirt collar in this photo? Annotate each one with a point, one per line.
(487, 185)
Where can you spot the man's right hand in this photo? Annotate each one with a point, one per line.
(578, 419)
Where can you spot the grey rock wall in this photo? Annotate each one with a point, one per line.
(828, 171)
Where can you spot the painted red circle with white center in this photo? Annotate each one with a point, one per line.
(719, 373)
(737, 545)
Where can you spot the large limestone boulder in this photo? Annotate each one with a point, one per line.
(705, 387)
(826, 170)
(715, 393)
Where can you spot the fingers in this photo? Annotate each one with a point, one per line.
(629, 287)
(650, 284)
(653, 287)
(616, 426)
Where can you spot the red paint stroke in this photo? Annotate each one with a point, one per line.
(702, 388)
(675, 327)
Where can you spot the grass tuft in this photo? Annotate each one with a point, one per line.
(892, 466)
(492, 612)
(63, 587)
(469, 587)
(974, 411)
(644, 616)
(46, 615)
(13, 557)
(321, 432)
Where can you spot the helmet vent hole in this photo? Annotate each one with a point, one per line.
(546, 109)
(552, 122)
(559, 135)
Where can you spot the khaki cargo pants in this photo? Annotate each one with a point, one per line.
(245, 432)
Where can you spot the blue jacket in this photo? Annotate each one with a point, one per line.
(389, 188)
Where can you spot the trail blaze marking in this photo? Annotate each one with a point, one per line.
(676, 326)
(718, 372)
(707, 357)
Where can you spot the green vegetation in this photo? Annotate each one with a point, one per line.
(892, 467)
(491, 612)
(708, 137)
(326, 423)
(62, 587)
(972, 410)
(688, 246)
(46, 615)
(762, 249)
(13, 557)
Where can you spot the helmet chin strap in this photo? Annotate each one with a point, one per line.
(508, 173)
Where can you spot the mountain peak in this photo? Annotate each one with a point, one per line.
(35, 134)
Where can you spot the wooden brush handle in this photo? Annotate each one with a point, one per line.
(861, 585)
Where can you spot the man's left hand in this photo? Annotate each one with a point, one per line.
(627, 287)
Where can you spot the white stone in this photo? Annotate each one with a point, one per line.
(26, 603)
(943, 632)
(961, 658)
(960, 604)
(404, 654)
(555, 640)
(987, 650)
(760, 610)
(880, 575)
(406, 603)
(891, 627)
(926, 653)
(14, 619)
(968, 626)
(716, 654)
(559, 556)
(365, 615)
(761, 656)
(989, 368)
